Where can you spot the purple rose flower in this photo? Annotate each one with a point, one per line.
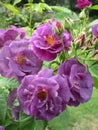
(66, 39)
(95, 30)
(45, 43)
(57, 25)
(81, 4)
(43, 96)
(6, 36)
(15, 109)
(18, 59)
(1, 128)
(79, 79)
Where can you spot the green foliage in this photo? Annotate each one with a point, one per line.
(3, 106)
(5, 85)
(60, 122)
(12, 8)
(94, 71)
(16, 2)
(28, 123)
(95, 7)
(95, 82)
(92, 23)
(60, 9)
(8, 83)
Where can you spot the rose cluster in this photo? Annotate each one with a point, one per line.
(46, 95)
(46, 43)
(81, 4)
(16, 56)
(42, 93)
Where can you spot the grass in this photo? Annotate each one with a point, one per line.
(83, 117)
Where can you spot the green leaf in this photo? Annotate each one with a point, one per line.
(30, 6)
(92, 23)
(12, 8)
(16, 2)
(94, 70)
(61, 16)
(39, 8)
(61, 122)
(28, 123)
(8, 83)
(12, 127)
(95, 7)
(45, 6)
(95, 82)
(39, 124)
(61, 9)
(96, 44)
(3, 106)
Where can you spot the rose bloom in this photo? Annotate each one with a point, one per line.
(57, 25)
(8, 35)
(66, 37)
(95, 30)
(79, 80)
(18, 60)
(43, 96)
(15, 110)
(81, 4)
(45, 43)
(1, 128)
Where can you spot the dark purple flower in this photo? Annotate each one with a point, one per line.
(45, 43)
(8, 35)
(15, 109)
(81, 4)
(66, 37)
(95, 30)
(79, 80)
(18, 60)
(43, 96)
(2, 128)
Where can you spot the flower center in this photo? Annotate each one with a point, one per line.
(42, 94)
(76, 84)
(20, 60)
(50, 40)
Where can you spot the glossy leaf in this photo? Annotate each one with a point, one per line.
(28, 123)
(95, 82)
(16, 2)
(92, 23)
(94, 70)
(12, 8)
(60, 9)
(95, 7)
(61, 122)
(8, 83)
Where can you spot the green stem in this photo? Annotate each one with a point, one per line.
(30, 17)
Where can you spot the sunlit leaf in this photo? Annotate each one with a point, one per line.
(92, 23)
(61, 9)
(16, 2)
(28, 123)
(94, 70)
(8, 83)
(95, 82)
(95, 7)
(60, 122)
(12, 8)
